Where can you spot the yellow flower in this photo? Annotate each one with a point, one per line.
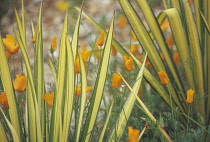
(9, 43)
(133, 134)
(116, 80)
(78, 90)
(121, 21)
(3, 100)
(54, 44)
(100, 40)
(163, 78)
(62, 6)
(77, 66)
(176, 58)
(49, 98)
(164, 26)
(20, 83)
(128, 63)
(190, 95)
(85, 55)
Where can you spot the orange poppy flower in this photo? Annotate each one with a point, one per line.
(121, 21)
(170, 42)
(62, 5)
(8, 54)
(114, 52)
(116, 80)
(34, 37)
(49, 98)
(54, 44)
(133, 36)
(85, 55)
(134, 49)
(20, 83)
(77, 66)
(133, 134)
(128, 63)
(100, 40)
(10, 44)
(3, 100)
(190, 96)
(164, 26)
(78, 90)
(163, 78)
(176, 58)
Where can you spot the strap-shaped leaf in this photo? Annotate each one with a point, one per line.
(56, 123)
(196, 54)
(13, 131)
(99, 87)
(3, 137)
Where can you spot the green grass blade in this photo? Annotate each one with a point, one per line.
(196, 54)
(55, 127)
(31, 111)
(114, 42)
(20, 27)
(12, 129)
(30, 77)
(99, 87)
(198, 7)
(176, 4)
(23, 21)
(3, 137)
(106, 123)
(75, 38)
(69, 97)
(83, 98)
(127, 108)
(8, 88)
(205, 22)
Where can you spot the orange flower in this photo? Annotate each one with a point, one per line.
(20, 83)
(77, 66)
(190, 2)
(54, 44)
(176, 58)
(84, 47)
(3, 100)
(8, 54)
(78, 90)
(9, 43)
(116, 80)
(114, 52)
(100, 40)
(34, 37)
(134, 49)
(170, 42)
(164, 26)
(163, 78)
(133, 36)
(49, 98)
(133, 134)
(85, 55)
(121, 21)
(128, 63)
(190, 95)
